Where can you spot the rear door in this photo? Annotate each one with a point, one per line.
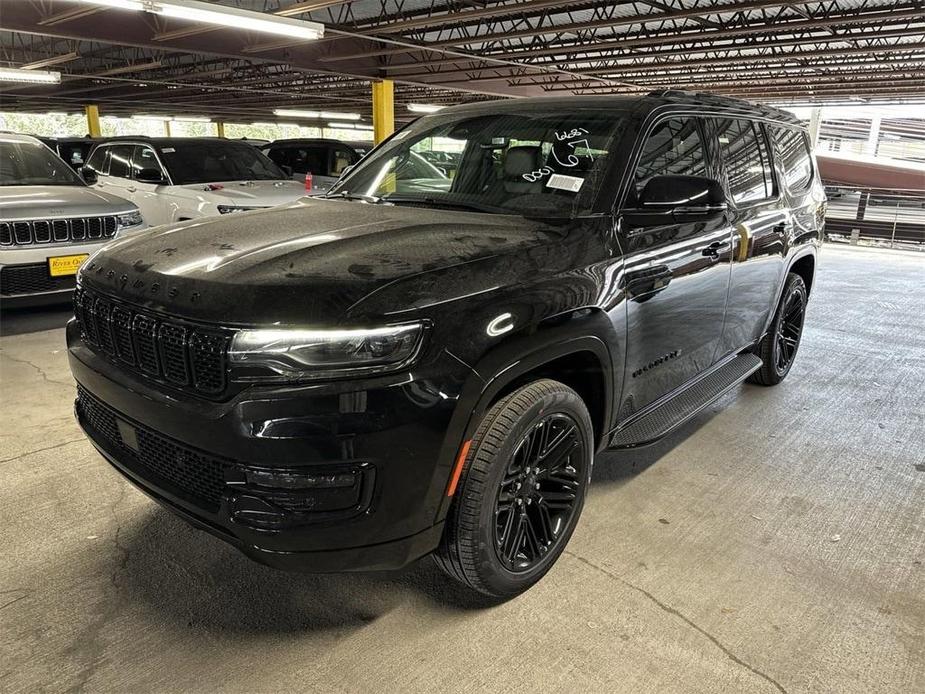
(676, 275)
(762, 221)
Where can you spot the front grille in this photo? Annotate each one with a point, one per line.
(183, 356)
(200, 477)
(74, 230)
(18, 280)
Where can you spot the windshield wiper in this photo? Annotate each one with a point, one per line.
(450, 204)
(347, 195)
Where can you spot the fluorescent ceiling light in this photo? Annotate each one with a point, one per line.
(150, 116)
(12, 74)
(424, 108)
(264, 124)
(299, 113)
(350, 126)
(221, 15)
(191, 119)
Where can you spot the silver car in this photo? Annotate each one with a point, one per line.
(50, 221)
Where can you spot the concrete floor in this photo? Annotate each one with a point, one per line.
(776, 543)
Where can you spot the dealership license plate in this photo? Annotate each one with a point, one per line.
(61, 265)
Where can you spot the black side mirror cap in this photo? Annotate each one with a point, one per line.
(88, 175)
(677, 200)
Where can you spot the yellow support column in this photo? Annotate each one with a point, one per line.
(220, 128)
(383, 110)
(93, 120)
(167, 128)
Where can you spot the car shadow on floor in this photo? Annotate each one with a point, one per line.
(192, 578)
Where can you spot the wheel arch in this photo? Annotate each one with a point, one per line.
(577, 355)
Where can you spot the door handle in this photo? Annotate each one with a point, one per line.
(715, 248)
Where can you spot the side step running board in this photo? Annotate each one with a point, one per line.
(651, 425)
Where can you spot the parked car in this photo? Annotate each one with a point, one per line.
(357, 380)
(325, 160)
(73, 150)
(50, 221)
(175, 179)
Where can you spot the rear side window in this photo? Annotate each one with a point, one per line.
(745, 153)
(144, 158)
(673, 148)
(795, 158)
(120, 161)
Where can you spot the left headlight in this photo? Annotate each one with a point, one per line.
(130, 219)
(293, 355)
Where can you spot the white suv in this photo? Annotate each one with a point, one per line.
(172, 179)
(50, 221)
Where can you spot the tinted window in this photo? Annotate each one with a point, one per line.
(309, 159)
(534, 162)
(97, 158)
(27, 164)
(748, 167)
(795, 158)
(343, 158)
(144, 158)
(120, 160)
(673, 148)
(207, 161)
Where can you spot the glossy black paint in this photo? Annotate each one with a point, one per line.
(625, 314)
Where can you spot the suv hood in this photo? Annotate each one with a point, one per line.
(48, 202)
(251, 193)
(318, 261)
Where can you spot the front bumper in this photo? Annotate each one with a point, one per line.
(327, 477)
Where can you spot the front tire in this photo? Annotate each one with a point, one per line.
(778, 349)
(521, 492)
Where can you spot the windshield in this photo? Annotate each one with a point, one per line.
(208, 162)
(28, 164)
(544, 163)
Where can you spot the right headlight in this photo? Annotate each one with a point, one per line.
(295, 355)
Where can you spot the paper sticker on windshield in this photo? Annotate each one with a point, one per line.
(168, 150)
(562, 182)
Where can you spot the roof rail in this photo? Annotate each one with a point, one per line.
(707, 99)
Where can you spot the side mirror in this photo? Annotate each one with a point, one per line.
(678, 200)
(88, 175)
(153, 176)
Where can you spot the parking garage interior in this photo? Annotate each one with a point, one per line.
(774, 542)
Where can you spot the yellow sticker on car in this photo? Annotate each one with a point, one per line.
(62, 265)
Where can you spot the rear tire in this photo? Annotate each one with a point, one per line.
(521, 490)
(778, 348)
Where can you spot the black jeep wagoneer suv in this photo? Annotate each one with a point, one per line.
(422, 362)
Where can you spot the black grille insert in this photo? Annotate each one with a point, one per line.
(28, 233)
(181, 355)
(18, 280)
(199, 477)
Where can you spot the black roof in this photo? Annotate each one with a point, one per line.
(648, 101)
(307, 141)
(167, 141)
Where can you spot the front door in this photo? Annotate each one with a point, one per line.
(149, 197)
(676, 275)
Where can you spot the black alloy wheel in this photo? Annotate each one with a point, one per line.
(789, 330)
(537, 496)
(778, 348)
(521, 491)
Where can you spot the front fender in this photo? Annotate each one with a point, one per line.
(587, 330)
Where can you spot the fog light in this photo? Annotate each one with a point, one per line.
(296, 480)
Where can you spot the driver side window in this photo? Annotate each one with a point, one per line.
(673, 148)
